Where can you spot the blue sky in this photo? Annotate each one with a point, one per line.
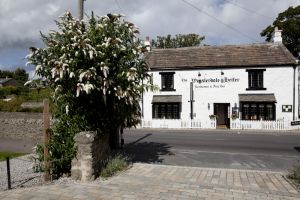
(21, 21)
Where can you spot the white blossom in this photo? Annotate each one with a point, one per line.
(28, 82)
(72, 75)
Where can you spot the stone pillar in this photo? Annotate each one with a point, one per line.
(92, 155)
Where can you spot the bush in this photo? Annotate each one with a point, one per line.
(13, 105)
(115, 164)
(295, 175)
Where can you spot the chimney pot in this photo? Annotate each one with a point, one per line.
(277, 35)
(147, 43)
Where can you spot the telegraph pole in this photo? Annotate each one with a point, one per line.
(80, 9)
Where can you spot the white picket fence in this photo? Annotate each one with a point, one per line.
(177, 123)
(262, 124)
(211, 124)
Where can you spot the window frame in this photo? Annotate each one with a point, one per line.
(164, 76)
(258, 74)
(166, 110)
(254, 109)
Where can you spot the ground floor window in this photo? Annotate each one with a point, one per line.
(258, 111)
(166, 110)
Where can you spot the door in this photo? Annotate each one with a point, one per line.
(221, 112)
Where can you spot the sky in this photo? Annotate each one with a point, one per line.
(220, 21)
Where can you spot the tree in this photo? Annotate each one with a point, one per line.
(188, 40)
(6, 74)
(289, 22)
(98, 74)
(20, 75)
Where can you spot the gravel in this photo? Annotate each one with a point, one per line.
(22, 175)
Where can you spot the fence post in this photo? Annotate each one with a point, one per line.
(46, 139)
(8, 173)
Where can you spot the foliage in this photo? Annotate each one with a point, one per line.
(115, 164)
(10, 90)
(19, 74)
(4, 155)
(289, 22)
(97, 72)
(295, 175)
(13, 105)
(188, 40)
(23, 94)
(38, 94)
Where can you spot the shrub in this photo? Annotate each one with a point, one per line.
(13, 105)
(116, 164)
(97, 71)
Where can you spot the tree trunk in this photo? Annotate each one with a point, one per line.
(114, 138)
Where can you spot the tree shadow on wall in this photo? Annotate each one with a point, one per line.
(146, 152)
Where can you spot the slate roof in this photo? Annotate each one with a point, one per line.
(167, 98)
(257, 97)
(253, 55)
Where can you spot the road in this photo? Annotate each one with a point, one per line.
(278, 151)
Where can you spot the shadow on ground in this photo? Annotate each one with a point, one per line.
(146, 152)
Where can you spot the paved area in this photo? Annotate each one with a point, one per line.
(148, 181)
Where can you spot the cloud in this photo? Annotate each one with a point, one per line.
(21, 21)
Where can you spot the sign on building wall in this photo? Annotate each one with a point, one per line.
(287, 108)
(212, 82)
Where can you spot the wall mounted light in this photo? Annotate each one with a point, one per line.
(208, 106)
(222, 73)
(199, 74)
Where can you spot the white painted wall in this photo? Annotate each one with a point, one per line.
(277, 80)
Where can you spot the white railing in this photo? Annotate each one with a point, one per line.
(178, 123)
(262, 124)
(211, 124)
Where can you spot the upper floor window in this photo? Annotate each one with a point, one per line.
(256, 79)
(167, 81)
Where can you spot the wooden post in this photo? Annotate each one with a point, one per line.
(8, 173)
(46, 139)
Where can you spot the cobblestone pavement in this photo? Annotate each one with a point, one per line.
(148, 181)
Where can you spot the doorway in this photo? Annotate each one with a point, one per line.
(221, 112)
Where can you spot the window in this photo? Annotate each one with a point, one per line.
(166, 110)
(256, 79)
(167, 81)
(258, 111)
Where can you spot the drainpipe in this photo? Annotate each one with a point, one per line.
(191, 101)
(294, 91)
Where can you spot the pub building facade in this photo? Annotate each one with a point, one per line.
(246, 82)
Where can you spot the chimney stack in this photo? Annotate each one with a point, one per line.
(147, 43)
(277, 36)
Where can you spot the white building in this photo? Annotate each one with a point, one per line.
(218, 84)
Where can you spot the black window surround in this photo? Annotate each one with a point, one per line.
(167, 81)
(166, 110)
(258, 110)
(255, 79)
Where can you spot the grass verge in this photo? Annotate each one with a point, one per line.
(116, 164)
(3, 155)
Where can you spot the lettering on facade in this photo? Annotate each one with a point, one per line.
(213, 82)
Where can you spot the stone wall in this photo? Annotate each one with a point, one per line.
(18, 125)
(92, 155)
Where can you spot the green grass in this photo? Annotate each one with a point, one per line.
(33, 95)
(3, 155)
(115, 164)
